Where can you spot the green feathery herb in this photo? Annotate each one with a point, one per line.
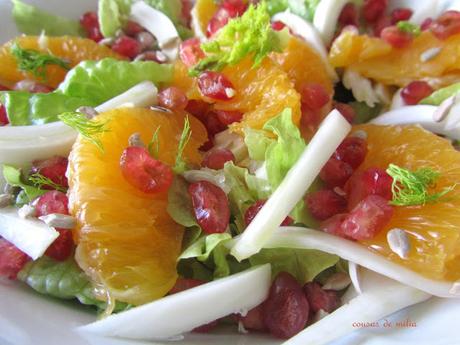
(180, 165)
(409, 27)
(40, 181)
(411, 187)
(88, 128)
(250, 34)
(154, 144)
(35, 62)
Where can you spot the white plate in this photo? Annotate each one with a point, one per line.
(27, 318)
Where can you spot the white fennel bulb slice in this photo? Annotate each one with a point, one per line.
(303, 238)
(296, 183)
(326, 16)
(179, 313)
(32, 236)
(381, 297)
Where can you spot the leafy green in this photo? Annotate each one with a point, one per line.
(90, 83)
(112, 15)
(363, 112)
(180, 206)
(248, 35)
(257, 142)
(303, 8)
(172, 8)
(439, 96)
(154, 144)
(33, 61)
(304, 264)
(181, 165)
(30, 20)
(39, 181)
(409, 27)
(13, 177)
(411, 187)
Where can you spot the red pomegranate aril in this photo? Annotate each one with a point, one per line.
(217, 157)
(227, 117)
(352, 150)
(12, 259)
(172, 98)
(254, 319)
(326, 203)
(3, 116)
(381, 23)
(346, 110)
(190, 52)
(53, 168)
(320, 299)
(89, 20)
(212, 124)
(310, 118)
(229, 9)
(373, 181)
(186, 13)
(252, 211)
(52, 202)
(367, 219)
(336, 173)
(396, 38)
(426, 24)
(132, 28)
(235, 8)
(210, 205)
(373, 9)
(62, 247)
(446, 25)
(314, 96)
(197, 108)
(286, 309)
(215, 85)
(144, 172)
(400, 14)
(126, 46)
(278, 26)
(95, 34)
(333, 225)
(415, 91)
(3, 88)
(349, 15)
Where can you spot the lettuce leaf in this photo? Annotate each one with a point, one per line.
(90, 83)
(13, 177)
(304, 264)
(303, 8)
(439, 96)
(30, 20)
(257, 142)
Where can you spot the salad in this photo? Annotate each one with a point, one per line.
(276, 166)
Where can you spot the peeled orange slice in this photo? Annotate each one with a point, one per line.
(71, 49)
(434, 228)
(127, 243)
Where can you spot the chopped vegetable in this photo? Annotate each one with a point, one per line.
(439, 96)
(39, 181)
(181, 165)
(409, 27)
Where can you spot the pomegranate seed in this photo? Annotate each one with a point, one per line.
(415, 91)
(346, 110)
(314, 96)
(53, 168)
(210, 205)
(229, 9)
(336, 173)
(254, 319)
(227, 117)
(190, 52)
(3, 116)
(235, 8)
(446, 25)
(126, 46)
(400, 14)
(52, 202)
(132, 28)
(216, 86)
(145, 172)
(326, 203)
(352, 150)
(310, 118)
(12, 260)
(90, 23)
(381, 23)
(333, 225)
(367, 219)
(62, 247)
(3, 88)
(349, 15)
(320, 299)
(217, 157)
(197, 108)
(252, 211)
(278, 26)
(373, 9)
(396, 38)
(373, 181)
(187, 6)
(172, 98)
(426, 24)
(95, 34)
(286, 309)
(212, 124)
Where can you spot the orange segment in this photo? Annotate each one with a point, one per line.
(71, 49)
(374, 59)
(127, 243)
(434, 229)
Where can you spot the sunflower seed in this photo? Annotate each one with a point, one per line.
(26, 211)
(88, 111)
(162, 109)
(5, 200)
(135, 140)
(399, 242)
(429, 54)
(338, 281)
(57, 220)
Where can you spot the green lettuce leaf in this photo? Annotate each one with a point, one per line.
(172, 8)
(90, 83)
(257, 143)
(303, 8)
(13, 177)
(303, 264)
(30, 20)
(364, 113)
(439, 96)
